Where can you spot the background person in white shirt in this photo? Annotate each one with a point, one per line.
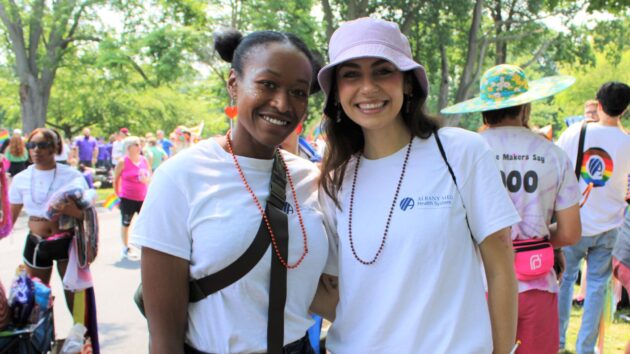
(31, 191)
(605, 165)
(408, 271)
(540, 181)
(117, 146)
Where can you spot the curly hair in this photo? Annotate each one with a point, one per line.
(16, 146)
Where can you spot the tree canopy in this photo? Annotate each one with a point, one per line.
(150, 65)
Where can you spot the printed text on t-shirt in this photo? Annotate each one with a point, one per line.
(427, 202)
(517, 157)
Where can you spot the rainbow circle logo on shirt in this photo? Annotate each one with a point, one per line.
(597, 166)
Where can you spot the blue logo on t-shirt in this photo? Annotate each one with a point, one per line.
(407, 203)
(288, 209)
(596, 167)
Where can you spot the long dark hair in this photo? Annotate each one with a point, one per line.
(344, 139)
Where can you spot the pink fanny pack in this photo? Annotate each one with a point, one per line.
(532, 258)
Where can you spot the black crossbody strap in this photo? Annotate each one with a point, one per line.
(580, 152)
(450, 171)
(199, 289)
(278, 278)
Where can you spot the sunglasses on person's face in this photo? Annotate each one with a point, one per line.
(40, 145)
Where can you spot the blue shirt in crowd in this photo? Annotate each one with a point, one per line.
(166, 145)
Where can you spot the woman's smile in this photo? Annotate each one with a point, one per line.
(275, 119)
(372, 107)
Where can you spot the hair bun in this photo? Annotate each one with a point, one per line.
(225, 43)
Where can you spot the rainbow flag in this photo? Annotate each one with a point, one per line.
(111, 201)
(4, 135)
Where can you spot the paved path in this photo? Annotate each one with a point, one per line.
(122, 328)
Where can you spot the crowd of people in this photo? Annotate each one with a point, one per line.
(91, 152)
(410, 237)
(124, 161)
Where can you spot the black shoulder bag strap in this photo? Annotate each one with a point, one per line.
(199, 289)
(580, 152)
(278, 279)
(450, 171)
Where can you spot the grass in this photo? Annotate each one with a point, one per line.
(616, 336)
(103, 193)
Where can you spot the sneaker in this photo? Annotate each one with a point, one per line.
(132, 255)
(124, 254)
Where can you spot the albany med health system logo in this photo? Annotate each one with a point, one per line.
(407, 203)
(597, 166)
(426, 202)
(288, 208)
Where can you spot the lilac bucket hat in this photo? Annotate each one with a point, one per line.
(370, 38)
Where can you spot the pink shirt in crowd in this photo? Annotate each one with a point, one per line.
(130, 185)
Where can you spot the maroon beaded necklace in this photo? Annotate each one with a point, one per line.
(391, 209)
(274, 243)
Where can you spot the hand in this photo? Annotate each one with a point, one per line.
(69, 208)
(559, 263)
(144, 176)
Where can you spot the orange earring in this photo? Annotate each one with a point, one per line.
(231, 110)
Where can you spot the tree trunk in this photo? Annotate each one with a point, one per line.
(469, 74)
(471, 56)
(444, 81)
(356, 9)
(501, 52)
(328, 19)
(497, 18)
(33, 104)
(67, 132)
(36, 67)
(467, 77)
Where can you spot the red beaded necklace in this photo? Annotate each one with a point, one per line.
(284, 262)
(391, 209)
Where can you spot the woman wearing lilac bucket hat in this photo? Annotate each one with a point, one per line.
(406, 212)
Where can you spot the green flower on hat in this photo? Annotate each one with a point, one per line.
(507, 85)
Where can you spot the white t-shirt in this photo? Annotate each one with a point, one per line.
(425, 293)
(198, 209)
(33, 188)
(606, 164)
(540, 180)
(117, 151)
(65, 151)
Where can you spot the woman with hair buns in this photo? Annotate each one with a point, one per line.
(31, 190)
(408, 203)
(208, 206)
